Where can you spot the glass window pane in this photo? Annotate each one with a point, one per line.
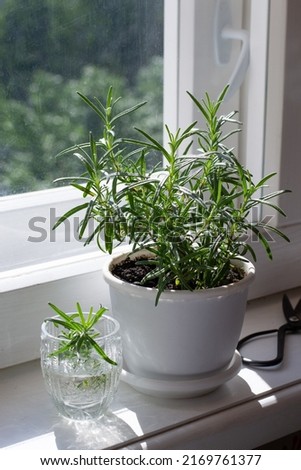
(49, 49)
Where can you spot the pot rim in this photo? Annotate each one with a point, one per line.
(102, 336)
(151, 292)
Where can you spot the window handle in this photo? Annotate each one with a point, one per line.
(242, 64)
(224, 34)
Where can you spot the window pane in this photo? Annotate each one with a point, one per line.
(49, 49)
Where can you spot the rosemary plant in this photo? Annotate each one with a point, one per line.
(78, 334)
(192, 214)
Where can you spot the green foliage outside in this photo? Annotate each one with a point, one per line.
(49, 50)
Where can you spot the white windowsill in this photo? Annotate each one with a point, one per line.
(255, 407)
(41, 273)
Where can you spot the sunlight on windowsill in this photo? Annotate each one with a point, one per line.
(258, 386)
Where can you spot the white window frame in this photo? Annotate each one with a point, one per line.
(262, 116)
(24, 293)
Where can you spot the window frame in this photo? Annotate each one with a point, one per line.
(24, 293)
(262, 96)
(34, 214)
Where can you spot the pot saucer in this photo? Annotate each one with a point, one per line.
(183, 388)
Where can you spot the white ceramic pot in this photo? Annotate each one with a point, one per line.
(187, 334)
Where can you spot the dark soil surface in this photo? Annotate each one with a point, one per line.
(130, 271)
(133, 272)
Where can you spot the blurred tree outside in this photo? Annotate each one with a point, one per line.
(49, 49)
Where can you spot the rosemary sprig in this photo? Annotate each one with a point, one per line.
(78, 332)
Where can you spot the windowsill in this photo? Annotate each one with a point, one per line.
(55, 270)
(41, 273)
(256, 407)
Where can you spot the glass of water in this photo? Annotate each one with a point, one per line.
(81, 383)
